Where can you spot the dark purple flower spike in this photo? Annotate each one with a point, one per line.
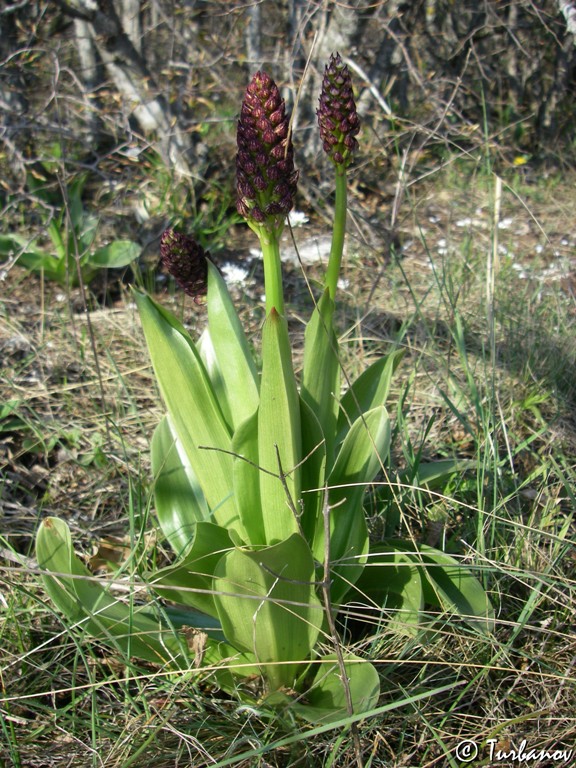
(337, 116)
(186, 261)
(266, 179)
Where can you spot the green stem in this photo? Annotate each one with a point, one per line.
(270, 244)
(338, 232)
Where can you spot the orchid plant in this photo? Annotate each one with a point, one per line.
(259, 478)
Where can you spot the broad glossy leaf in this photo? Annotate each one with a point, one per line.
(36, 260)
(364, 449)
(321, 372)
(180, 616)
(56, 233)
(190, 580)
(86, 603)
(268, 606)
(326, 699)
(433, 474)
(117, 254)
(279, 432)
(246, 480)
(208, 356)
(369, 391)
(11, 244)
(86, 228)
(450, 585)
(235, 360)
(180, 503)
(390, 582)
(313, 470)
(195, 414)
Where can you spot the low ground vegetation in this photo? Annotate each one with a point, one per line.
(487, 376)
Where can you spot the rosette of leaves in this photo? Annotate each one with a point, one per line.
(259, 489)
(72, 231)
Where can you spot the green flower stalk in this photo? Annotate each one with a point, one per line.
(265, 175)
(186, 261)
(339, 124)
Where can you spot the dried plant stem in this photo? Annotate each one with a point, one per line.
(91, 335)
(334, 633)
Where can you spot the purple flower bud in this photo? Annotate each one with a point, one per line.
(265, 159)
(186, 261)
(337, 116)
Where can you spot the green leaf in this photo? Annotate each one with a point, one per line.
(392, 583)
(133, 630)
(195, 414)
(313, 470)
(190, 580)
(268, 607)
(279, 432)
(232, 351)
(29, 256)
(11, 244)
(246, 480)
(180, 503)
(370, 390)
(180, 617)
(361, 456)
(326, 699)
(451, 586)
(36, 261)
(56, 232)
(88, 227)
(321, 371)
(117, 254)
(208, 356)
(433, 474)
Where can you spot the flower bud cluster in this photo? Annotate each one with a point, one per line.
(337, 116)
(266, 178)
(186, 261)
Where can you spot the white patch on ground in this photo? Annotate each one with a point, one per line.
(234, 273)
